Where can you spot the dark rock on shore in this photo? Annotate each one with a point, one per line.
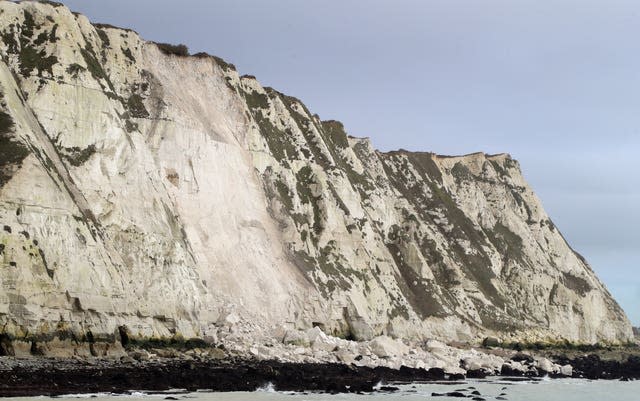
(522, 357)
(456, 394)
(476, 374)
(53, 377)
(456, 376)
(593, 367)
(508, 370)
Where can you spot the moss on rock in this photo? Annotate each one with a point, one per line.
(32, 59)
(136, 106)
(77, 156)
(336, 134)
(12, 151)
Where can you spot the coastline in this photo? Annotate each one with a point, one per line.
(53, 377)
(42, 376)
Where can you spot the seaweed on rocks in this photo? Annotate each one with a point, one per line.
(42, 377)
(592, 366)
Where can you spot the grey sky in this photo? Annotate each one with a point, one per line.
(554, 83)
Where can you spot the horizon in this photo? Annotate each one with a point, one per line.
(463, 114)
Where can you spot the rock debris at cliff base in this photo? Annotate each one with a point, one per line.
(198, 369)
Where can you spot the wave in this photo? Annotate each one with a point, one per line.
(267, 388)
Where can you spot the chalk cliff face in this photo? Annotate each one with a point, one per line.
(162, 195)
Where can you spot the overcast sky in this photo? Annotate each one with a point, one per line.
(554, 83)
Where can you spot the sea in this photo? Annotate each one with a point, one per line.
(494, 389)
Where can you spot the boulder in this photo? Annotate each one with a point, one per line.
(140, 355)
(296, 337)
(477, 374)
(522, 357)
(127, 360)
(479, 361)
(544, 365)
(387, 347)
(345, 355)
(566, 370)
(435, 345)
(229, 320)
(320, 341)
(513, 368)
(456, 376)
(471, 363)
(491, 342)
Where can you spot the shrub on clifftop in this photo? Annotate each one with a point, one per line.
(177, 50)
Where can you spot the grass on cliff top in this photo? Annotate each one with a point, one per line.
(334, 136)
(109, 26)
(336, 133)
(279, 141)
(183, 51)
(306, 125)
(256, 100)
(218, 60)
(173, 50)
(461, 172)
(55, 4)
(23, 44)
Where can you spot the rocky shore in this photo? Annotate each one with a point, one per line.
(295, 360)
(196, 369)
(593, 366)
(34, 377)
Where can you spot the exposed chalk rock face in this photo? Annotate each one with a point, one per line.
(170, 196)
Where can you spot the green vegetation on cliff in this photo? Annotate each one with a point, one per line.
(12, 151)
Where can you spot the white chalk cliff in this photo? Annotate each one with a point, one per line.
(166, 195)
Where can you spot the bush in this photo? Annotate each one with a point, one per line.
(99, 25)
(223, 64)
(52, 3)
(176, 50)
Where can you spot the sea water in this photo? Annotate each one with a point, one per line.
(542, 390)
